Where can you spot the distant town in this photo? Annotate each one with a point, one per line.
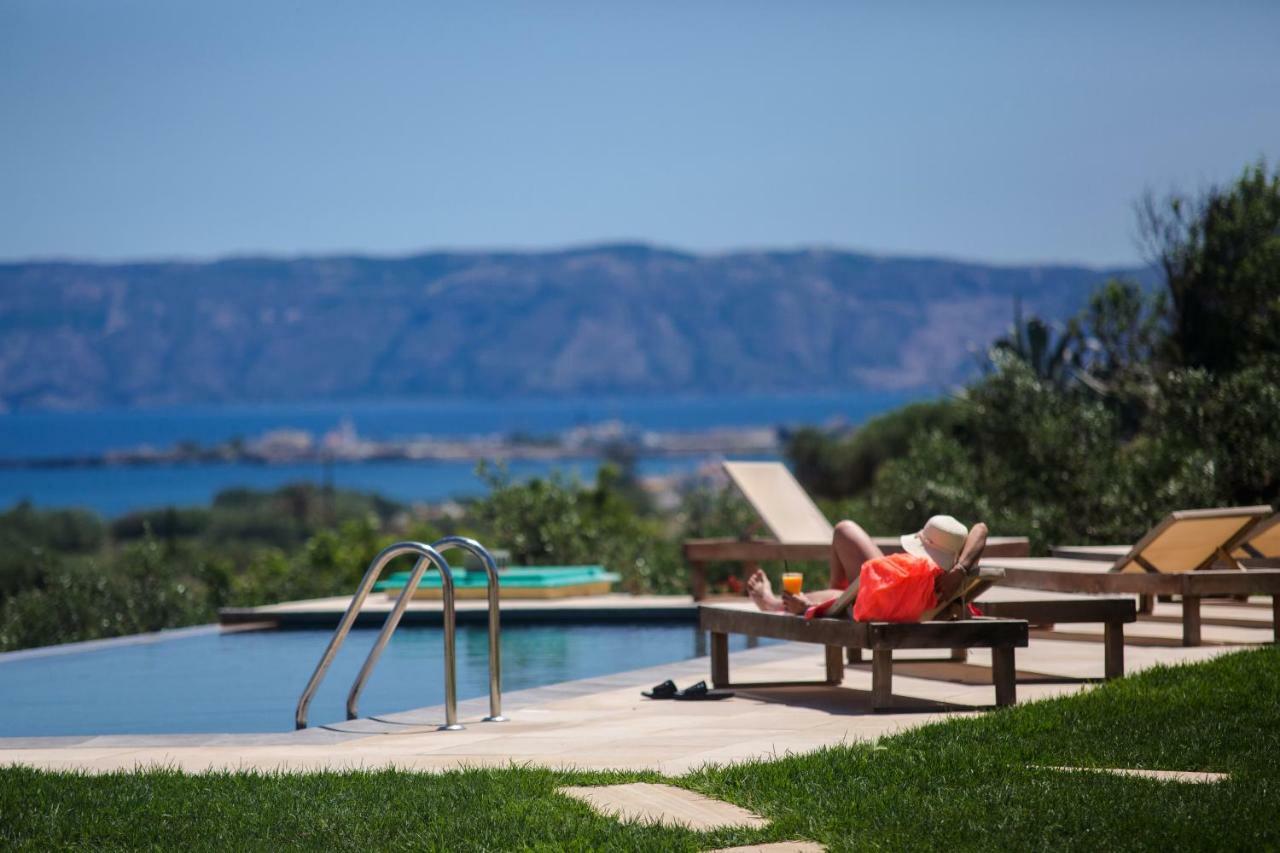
(344, 444)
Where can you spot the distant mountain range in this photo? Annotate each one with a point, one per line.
(624, 319)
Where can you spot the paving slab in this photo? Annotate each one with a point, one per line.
(1186, 776)
(652, 803)
(777, 847)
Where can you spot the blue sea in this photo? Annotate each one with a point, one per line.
(112, 491)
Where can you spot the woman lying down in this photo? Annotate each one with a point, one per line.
(951, 549)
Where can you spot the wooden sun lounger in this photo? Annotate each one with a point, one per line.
(1188, 540)
(1258, 547)
(801, 533)
(750, 552)
(1114, 612)
(1056, 574)
(1190, 553)
(1002, 636)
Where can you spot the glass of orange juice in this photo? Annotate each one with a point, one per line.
(792, 582)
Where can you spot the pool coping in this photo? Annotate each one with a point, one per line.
(162, 636)
(327, 612)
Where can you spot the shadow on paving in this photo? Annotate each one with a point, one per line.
(843, 701)
(971, 674)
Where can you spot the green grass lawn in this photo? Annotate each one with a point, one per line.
(967, 783)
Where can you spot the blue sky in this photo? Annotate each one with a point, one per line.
(1000, 132)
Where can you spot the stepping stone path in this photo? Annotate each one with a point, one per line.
(645, 801)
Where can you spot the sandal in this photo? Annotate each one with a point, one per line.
(665, 690)
(699, 693)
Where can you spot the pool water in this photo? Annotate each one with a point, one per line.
(207, 681)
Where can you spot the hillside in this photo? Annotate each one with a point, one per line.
(607, 319)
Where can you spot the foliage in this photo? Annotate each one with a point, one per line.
(837, 466)
(1146, 403)
(67, 576)
(140, 589)
(1229, 422)
(965, 783)
(1031, 342)
(557, 521)
(1220, 255)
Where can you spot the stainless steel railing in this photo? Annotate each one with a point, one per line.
(495, 629)
(449, 624)
(393, 620)
(427, 555)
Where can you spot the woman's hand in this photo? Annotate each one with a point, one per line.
(947, 584)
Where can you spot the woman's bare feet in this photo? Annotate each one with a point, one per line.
(796, 604)
(761, 592)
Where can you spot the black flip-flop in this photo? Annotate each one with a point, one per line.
(700, 693)
(665, 690)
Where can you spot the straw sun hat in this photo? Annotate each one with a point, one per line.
(941, 540)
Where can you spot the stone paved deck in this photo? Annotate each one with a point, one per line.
(603, 723)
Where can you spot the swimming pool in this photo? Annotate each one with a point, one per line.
(207, 681)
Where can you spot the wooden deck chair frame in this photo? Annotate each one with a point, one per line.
(1195, 581)
(1218, 570)
(841, 636)
(801, 533)
(1220, 550)
(1225, 551)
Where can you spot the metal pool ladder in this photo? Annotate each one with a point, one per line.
(428, 555)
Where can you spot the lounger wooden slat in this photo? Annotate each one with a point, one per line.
(1002, 636)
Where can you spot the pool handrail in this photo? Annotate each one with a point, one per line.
(433, 557)
(425, 553)
(495, 628)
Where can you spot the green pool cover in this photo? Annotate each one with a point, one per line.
(528, 577)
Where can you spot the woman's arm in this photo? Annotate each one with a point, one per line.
(948, 583)
(974, 544)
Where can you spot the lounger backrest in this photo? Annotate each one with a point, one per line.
(1191, 539)
(1263, 541)
(781, 502)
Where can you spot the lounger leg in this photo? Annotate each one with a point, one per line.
(698, 579)
(1113, 649)
(959, 655)
(1146, 603)
(719, 659)
(1275, 618)
(835, 664)
(1190, 620)
(1005, 675)
(855, 655)
(882, 678)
